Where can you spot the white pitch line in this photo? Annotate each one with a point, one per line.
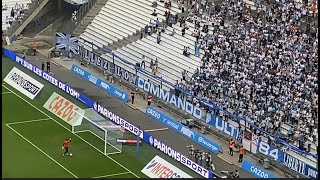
(117, 174)
(6, 93)
(70, 131)
(152, 130)
(34, 120)
(41, 150)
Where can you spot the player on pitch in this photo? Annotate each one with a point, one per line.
(65, 146)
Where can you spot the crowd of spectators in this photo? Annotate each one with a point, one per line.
(16, 13)
(259, 63)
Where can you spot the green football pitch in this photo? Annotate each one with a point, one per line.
(32, 138)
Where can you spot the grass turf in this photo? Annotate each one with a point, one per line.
(33, 149)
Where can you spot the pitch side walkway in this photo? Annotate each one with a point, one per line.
(135, 114)
(222, 162)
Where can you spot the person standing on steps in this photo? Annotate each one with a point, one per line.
(133, 92)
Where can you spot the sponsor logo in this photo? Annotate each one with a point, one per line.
(194, 136)
(23, 83)
(118, 120)
(64, 109)
(100, 83)
(104, 85)
(93, 79)
(179, 157)
(187, 132)
(256, 170)
(95, 106)
(151, 140)
(208, 144)
(160, 168)
(118, 93)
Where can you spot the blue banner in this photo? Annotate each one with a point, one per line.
(256, 170)
(177, 156)
(289, 161)
(299, 166)
(98, 82)
(48, 77)
(222, 125)
(113, 117)
(177, 126)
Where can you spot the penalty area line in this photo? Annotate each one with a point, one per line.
(70, 131)
(8, 92)
(33, 120)
(41, 150)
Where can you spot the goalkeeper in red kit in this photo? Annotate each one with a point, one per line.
(65, 146)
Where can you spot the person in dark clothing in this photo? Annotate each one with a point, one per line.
(183, 31)
(42, 66)
(48, 66)
(133, 92)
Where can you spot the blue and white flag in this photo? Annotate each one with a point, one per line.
(67, 42)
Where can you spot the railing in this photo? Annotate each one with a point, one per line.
(16, 24)
(81, 13)
(207, 103)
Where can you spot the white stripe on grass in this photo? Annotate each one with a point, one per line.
(29, 121)
(70, 131)
(111, 175)
(41, 151)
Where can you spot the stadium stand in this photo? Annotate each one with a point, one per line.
(119, 19)
(277, 104)
(13, 10)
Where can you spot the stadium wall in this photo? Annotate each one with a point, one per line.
(110, 115)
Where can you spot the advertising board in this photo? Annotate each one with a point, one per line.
(64, 109)
(160, 168)
(108, 114)
(111, 89)
(256, 170)
(177, 126)
(23, 83)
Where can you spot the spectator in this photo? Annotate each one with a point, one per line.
(154, 4)
(172, 33)
(154, 13)
(12, 12)
(158, 39)
(167, 4)
(266, 63)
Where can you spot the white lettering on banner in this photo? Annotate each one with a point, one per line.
(294, 163)
(154, 113)
(141, 83)
(118, 120)
(203, 141)
(178, 157)
(224, 127)
(187, 132)
(93, 79)
(104, 85)
(79, 71)
(265, 149)
(172, 124)
(258, 172)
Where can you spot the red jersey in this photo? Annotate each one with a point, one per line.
(66, 143)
